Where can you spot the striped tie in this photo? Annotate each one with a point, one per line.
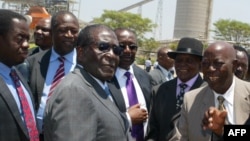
(58, 76)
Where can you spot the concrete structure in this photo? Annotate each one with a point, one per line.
(193, 18)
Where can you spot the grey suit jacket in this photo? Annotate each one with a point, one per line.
(79, 109)
(12, 127)
(157, 77)
(198, 101)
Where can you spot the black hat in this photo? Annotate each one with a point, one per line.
(188, 46)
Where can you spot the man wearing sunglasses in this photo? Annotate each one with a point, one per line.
(136, 108)
(81, 107)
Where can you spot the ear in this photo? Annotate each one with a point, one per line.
(235, 65)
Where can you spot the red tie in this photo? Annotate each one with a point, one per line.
(28, 117)
(58, 76)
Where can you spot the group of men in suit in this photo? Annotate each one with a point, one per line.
(93, 101)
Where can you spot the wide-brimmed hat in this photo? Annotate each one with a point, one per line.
(188, 46)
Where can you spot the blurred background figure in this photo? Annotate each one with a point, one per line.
(164, 70)
(148, 64)
(42, 36)
(242, 65)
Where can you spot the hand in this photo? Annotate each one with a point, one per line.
(137, 114)
(214, 120)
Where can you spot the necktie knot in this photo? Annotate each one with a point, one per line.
(221, 99)
(183, 86)
(61, 59)
(127, 74)
(13, 75)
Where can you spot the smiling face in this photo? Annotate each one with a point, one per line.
(65, 33)
(187, 66)
(100, 63)
(218, 65)
(14, 44)
(127, 40)
(42, 34)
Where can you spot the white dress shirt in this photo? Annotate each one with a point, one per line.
(122, 83)
(228, 102)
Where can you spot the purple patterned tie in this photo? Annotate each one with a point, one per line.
(137, 130)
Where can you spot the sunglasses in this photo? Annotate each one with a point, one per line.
(106, 47)
(131, 47)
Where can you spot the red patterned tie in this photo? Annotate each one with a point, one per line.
(58, 76)
(28, 117)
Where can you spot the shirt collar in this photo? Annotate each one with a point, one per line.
(229, 94)
(4, 70)
(120, 71)
(69, 57)
(189, 82)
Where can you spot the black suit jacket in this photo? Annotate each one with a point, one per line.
(144, 82)
(38, 66)
(33, 51)
(164, 108)
(12, 127)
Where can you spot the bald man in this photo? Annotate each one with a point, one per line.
(218, 66)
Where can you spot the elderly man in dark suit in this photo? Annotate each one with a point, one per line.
(168, 96)
(47, 68)
(224, 91)
(17, 115)
(137, 107)
(81, 107)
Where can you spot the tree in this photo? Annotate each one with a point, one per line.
(115, 19)
(232, 30)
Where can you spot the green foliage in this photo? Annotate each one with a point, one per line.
(115, 19)
(232, 30)
(148, 46)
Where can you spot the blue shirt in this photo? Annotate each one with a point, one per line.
(5, 75)
(69, 65)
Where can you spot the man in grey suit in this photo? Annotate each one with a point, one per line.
(81, 107)
(218, 67)
(167, 97)
(164, 71)
(14, 44)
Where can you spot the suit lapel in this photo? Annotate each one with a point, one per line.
(241, 102)
(101, 95)
(42, 72)
(141, 80)
(117, 94)
(6, 94)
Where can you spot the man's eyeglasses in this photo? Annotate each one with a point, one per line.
(105, 47)
(131, 47)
